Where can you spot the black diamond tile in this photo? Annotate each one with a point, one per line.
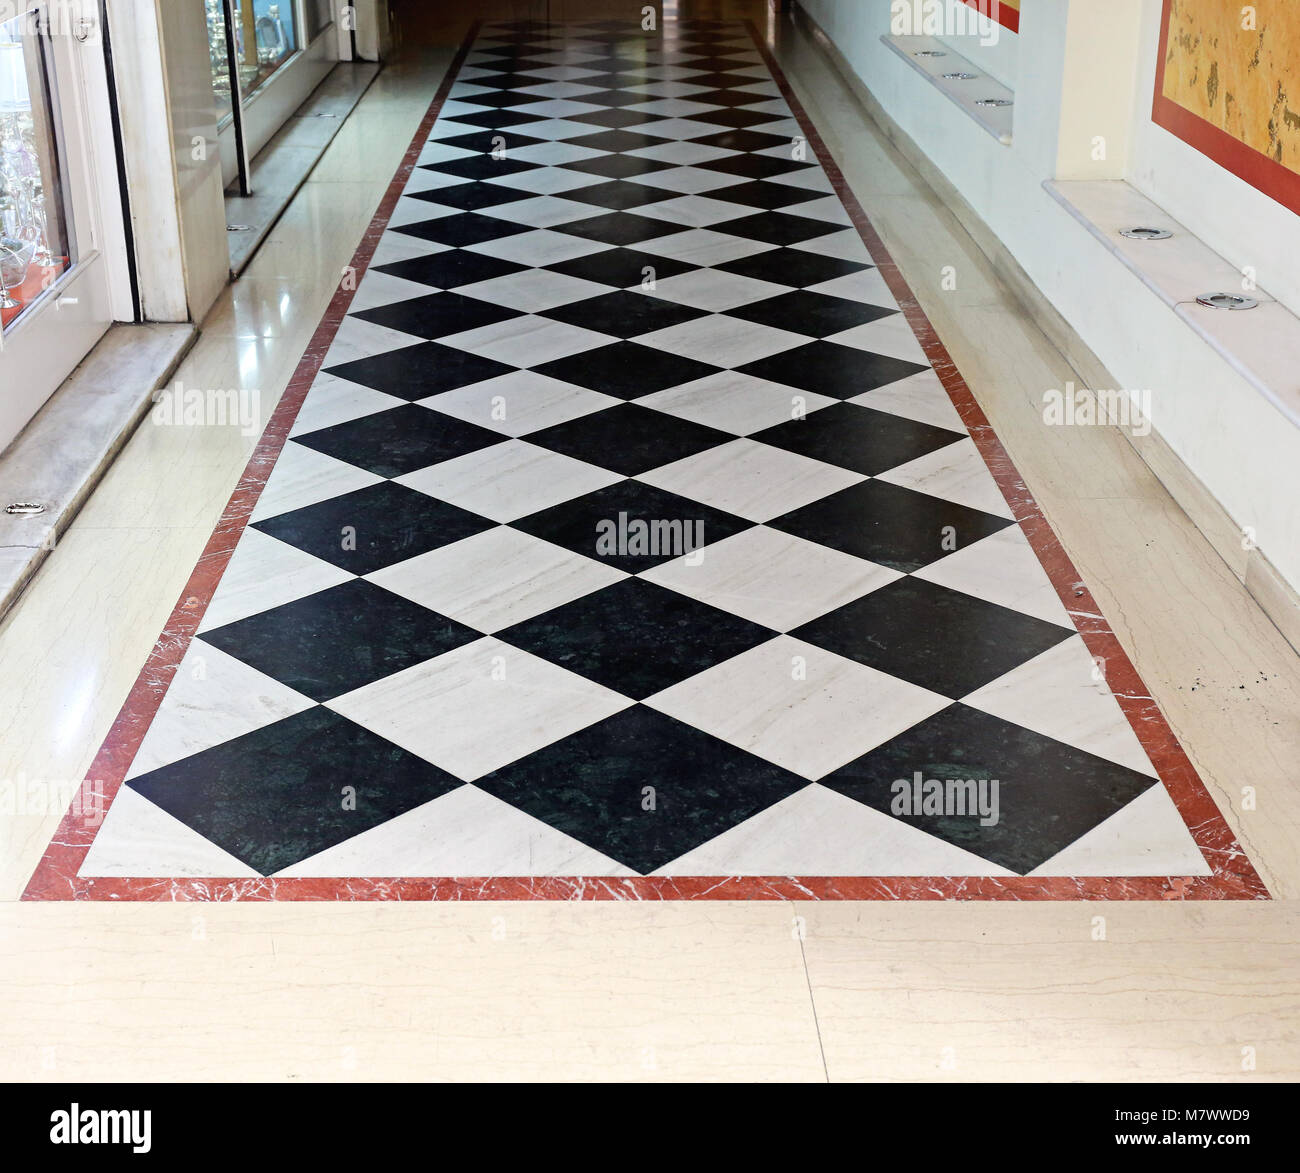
(949, 642)
(754, 166)
(626, 369)
(762, 193)
(592, 786)
(628, 439)
(613, 98)
(373, 527)
(449, 269)
(858, 438)
(582, 524)
(496, 119)
(744, 140)
(635, 637)
(618, 195)
(890, 525)
(617, 166)
(480, 167)
(615, 140)
(616, 119)
(620, 267)
(506, 80)
(437, 315)
(502, 99)
(788, 266)
(776, 227)
(470, 197)
(736, 116)
(274, 797)
(400, 440)
(831, 369)
(815, 313)
(613, 64)
(413, 372)
(623, 314)
(462, 228)
(1049, 793)
(615, 81)
(720, 81)
(339, 639)
(619, 228)
(486, 141)
(732, 97)
(708, 58)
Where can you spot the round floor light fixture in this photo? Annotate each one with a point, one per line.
(1141, 233)
(1227, 301)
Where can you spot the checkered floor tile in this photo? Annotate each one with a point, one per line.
(627, 532)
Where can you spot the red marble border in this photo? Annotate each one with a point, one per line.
(1233, 876)
(1267, 175)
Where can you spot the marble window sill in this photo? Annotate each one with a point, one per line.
(997, 120)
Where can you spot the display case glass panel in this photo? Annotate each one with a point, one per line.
(36, 242)
(266, 36)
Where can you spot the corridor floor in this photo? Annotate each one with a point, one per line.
(627, 532)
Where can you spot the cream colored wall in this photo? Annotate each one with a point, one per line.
(1099, 89)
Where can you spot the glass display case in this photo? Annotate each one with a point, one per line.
(218, 57)
(282, 50)
(35, 238)
(317, 15)
(266, 36)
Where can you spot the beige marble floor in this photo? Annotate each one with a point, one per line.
(646, 992)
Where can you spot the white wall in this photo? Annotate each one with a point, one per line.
(1244, 450)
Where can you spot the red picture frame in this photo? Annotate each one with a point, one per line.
(1004, 14)
(1262, 173)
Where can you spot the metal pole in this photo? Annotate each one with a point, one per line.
(236, 101)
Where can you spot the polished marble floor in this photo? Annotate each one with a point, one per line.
(628, 533)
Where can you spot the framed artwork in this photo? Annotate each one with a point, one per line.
(1227, 84)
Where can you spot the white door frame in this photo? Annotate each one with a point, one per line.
(41, 348)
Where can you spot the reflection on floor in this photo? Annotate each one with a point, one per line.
(628, 543)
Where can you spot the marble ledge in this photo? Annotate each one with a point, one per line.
(59, 457)
(1262, 345)
(997, 120)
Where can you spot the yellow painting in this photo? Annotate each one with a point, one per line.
(1237, 67)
